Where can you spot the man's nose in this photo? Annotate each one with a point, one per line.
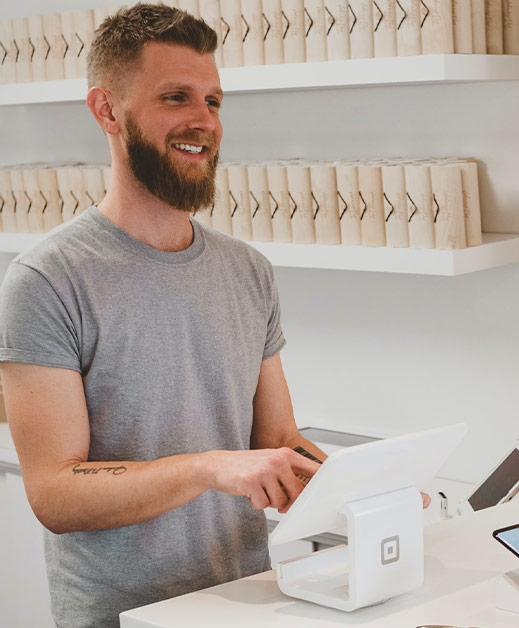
(201, 118)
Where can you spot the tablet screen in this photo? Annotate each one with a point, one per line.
(510, 538)
(497, 486)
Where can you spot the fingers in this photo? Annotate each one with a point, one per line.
(426, 500)
(259, 499)
(302, 465)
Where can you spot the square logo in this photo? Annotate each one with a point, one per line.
(390, 550)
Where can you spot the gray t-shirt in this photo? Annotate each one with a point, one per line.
(169, 346)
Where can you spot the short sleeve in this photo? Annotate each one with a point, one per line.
(35, 326)
(275, 340)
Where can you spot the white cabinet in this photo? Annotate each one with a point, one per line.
(24, 594)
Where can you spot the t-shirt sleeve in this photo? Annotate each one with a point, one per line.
(275, 340)
(35, 326)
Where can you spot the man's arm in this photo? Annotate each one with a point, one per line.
(274, 424)
(48, 418)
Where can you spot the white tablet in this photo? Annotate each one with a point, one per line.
(364, 471)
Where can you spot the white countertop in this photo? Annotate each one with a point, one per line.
(462, 561)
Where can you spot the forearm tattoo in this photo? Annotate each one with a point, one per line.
(95, 470)
(306, 454)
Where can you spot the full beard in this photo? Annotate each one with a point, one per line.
(157, 172)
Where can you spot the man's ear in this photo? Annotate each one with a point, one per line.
(101, 103)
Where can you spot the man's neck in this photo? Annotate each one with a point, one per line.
(147, 219)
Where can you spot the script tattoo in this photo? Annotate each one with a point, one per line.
(96, 470)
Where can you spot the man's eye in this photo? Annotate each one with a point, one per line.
(176, 97)
(214, 103)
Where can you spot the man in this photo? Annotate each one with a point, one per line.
(140, 351)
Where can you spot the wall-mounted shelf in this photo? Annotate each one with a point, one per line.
(416, 70)
(497, 250)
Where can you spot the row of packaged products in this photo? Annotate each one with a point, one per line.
(420, 204)
(257, 32)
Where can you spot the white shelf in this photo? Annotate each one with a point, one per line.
(498, 249)
(19, 242)
(422, 69)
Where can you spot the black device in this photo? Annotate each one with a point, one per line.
(500, 485)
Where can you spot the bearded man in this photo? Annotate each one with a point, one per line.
(140, 350)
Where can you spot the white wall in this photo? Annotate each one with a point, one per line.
(369, 352)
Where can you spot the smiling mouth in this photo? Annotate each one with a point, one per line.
(191, 149)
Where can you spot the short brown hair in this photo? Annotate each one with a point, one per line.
(119, 40)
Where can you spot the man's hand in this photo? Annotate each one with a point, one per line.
(268, 477)
(426, 500)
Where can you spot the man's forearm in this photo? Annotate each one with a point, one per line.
(84, 496)
(102, 495)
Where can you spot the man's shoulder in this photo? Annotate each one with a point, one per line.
(69, 238)
(234, 248)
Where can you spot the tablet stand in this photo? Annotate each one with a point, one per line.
(507, 591)
(383, 558)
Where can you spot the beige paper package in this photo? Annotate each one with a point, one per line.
(419, 207)
(191, 6)
(408, 28)
(337, 29)
(232, 33)
(78, 31)
(36, 201)
(261, 213)
(93, 181)
(384, 28)
(221, 213)
(471, 203)
(437, 27)
(361, 29)
(72, 191)
(511, 27)
(349, 204)
(395, 206)
(479, 36)
(294, 45)
(101, 13)
(210, 12)
(371, 206)
(279, 202)
(315, 30)
(24, 50)
(273, 31)
(301, 206)
(7, 202)
(462, 26)
(494, 26)
(55, 67)
(39, 47)
(240, 202)
(253, 49)
(326, 206)
(449, 221)
(48, 184)
(8, 51)
(22, 201)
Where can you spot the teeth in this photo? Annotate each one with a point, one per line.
(189, 148)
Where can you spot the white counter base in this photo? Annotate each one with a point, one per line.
(462, 562)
